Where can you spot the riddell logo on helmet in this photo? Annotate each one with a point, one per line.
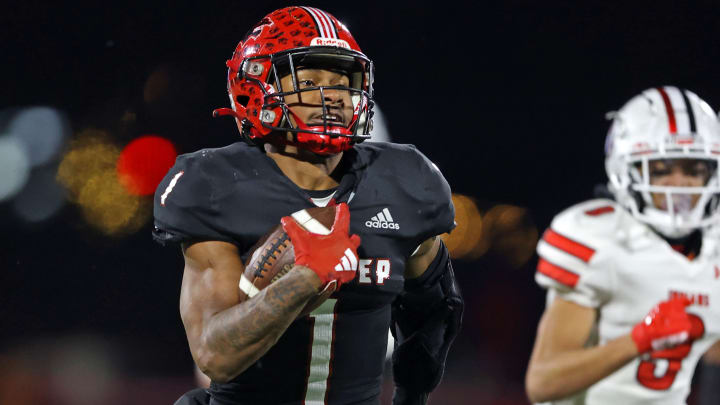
(318, 41)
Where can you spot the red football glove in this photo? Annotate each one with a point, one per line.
(332, 257)
(665, 326)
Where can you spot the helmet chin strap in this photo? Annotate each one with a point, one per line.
(243, 122)
(223, 111)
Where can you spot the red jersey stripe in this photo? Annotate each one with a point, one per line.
(557, 273)
(669, 110)
(568, 245)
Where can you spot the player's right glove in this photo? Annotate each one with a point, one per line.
(332, 257)
(665, 326)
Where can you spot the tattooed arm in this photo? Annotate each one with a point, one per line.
(225, 335)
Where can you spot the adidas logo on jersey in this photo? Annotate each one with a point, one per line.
(383, 220)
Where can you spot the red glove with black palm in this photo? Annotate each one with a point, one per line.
(333, 257)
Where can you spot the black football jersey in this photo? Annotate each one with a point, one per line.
(335, 355)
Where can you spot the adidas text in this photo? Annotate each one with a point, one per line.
(382, 225)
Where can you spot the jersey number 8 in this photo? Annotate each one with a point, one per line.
(672, 359)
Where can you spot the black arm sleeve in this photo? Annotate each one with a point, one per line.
(425, 320)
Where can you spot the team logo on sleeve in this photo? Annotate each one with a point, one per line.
(383, 220)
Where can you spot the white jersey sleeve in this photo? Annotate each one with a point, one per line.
(573, 256)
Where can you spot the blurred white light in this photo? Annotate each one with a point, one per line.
(41, 198)
(380, 131)
(14, 167)
(390, 346)
(41, 130)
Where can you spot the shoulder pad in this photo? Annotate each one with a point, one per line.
(431, 187)
(590, 220)
(183, 205)
(573, 250)
(415, 181)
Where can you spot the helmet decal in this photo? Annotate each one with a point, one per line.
(690, 112)
(669, 110)
(323, 22)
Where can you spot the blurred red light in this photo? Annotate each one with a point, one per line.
(144, 162)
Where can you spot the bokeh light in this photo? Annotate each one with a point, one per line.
(107, 205)
(380, 130)
(512, 233)
(42, 131)
(91, 152)
(14, 167)
(88, 171)
(73, 369)
(144, 162)
(42, 196)
(156, 85)
(466, 240)
(506, 231)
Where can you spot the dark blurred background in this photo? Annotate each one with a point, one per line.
(507, 98)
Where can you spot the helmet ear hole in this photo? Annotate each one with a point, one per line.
(639, 200)
(712, 205)
(242, 100)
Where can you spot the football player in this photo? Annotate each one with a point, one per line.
(633, 282)
(301, 93)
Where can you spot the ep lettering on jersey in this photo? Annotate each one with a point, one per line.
(379, 269)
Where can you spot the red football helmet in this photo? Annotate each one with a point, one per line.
(284, 41)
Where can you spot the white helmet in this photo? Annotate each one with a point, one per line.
(664, 123)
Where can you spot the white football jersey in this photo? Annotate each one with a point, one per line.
(598, 255)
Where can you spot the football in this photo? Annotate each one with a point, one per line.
(273, 256)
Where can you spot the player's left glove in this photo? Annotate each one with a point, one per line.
(332, 257)
(682, 350)
(665, 326)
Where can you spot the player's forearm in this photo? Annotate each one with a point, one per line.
(236, 338)
(564, 374)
